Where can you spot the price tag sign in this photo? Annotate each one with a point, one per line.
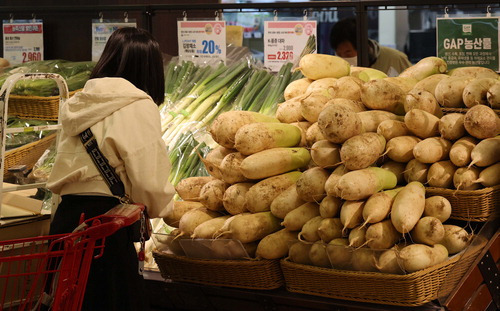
(203, 39)
(469, 42)
(285, 40)
(101, 31)
(22, 40)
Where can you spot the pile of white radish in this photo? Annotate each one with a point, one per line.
(338, 178)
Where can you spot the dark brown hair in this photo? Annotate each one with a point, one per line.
(344, 30)
(133, 54)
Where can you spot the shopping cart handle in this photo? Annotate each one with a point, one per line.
(116, 218)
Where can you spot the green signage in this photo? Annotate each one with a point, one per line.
(469, 42)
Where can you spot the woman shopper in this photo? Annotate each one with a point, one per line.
(119, 105)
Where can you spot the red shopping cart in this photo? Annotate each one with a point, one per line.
(52, 270)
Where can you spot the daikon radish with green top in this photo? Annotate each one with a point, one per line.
(214, 158)
(362, 150)
(429, 83)
(490, 176)
(318, 255)
(449, 91)
(428, 230)
(286, 201)
(371, 119)
(405, 83)
(325, 154)
(340, 253)
(423, 100)
(260, 196)
(392, 128)
(357, 236)
(493, 95)
(455, 239)
(212, 193)
(382, 95)
(382, 235)
(451, 126)
(193, 218)
(421, 123)
(355, 105)
(348, 87)
(329, 207)
(223, 129)
(254, 137)
(333, 179)
(296, 218)
(408, 207)
(351, 214)
(486, 152)
(431, 150)
(416, 171)
(366, 73)
(290, 111)
(230, 168)
(397, 168)
(425, 67)
(314, 134)
(309, 231)
(329, 229)
(317, 66)
(252, 227)
(313, 103)
(378, 206)
(207, 229)
(475, 92)
(296, 88)
(400, 149)
(439, 207)
(360, 184)
(482, 122)
(299, 253)
(416, 257)
(460, 152)
(311, 184)
(303, 126)
(338, 123)
(234, 198)
(440, 174)
(274, 161)
(177, 209)
(465, 178)
(475, 72)
(276, 244)
(189, 188)
(321, 85)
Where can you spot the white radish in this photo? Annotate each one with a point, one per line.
(431, 150)
(451, 126)
(361, 151)
(438, 207)
(416, 171)
(482, 122)
(461, 151)
(440, 174)
(286, 201)
(428, 230)
(408, 207)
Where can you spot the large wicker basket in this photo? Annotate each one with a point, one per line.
(412, 289)
(250, 274)
(27, 154)
(35, 107)
(470, 205)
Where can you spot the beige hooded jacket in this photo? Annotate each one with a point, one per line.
(126, 124)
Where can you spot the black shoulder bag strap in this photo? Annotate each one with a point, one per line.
(141, 230)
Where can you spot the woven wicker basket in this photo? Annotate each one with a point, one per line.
(35, 107)
(250, 274)
(470, 205)
(27, 154)
(462, 110)
(412, 289)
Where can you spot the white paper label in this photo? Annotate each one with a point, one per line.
(203, 39)
(285, 40)
(22, 40)
(101, 31)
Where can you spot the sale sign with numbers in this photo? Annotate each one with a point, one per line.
(22, 40)
(285, 40)
(202, 39)
(101, 31)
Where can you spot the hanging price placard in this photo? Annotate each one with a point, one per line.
(285, 40)
(22, 40)
(102, 30)
(469, 42)
(203, 39)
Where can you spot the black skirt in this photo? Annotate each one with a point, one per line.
(114, 282)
